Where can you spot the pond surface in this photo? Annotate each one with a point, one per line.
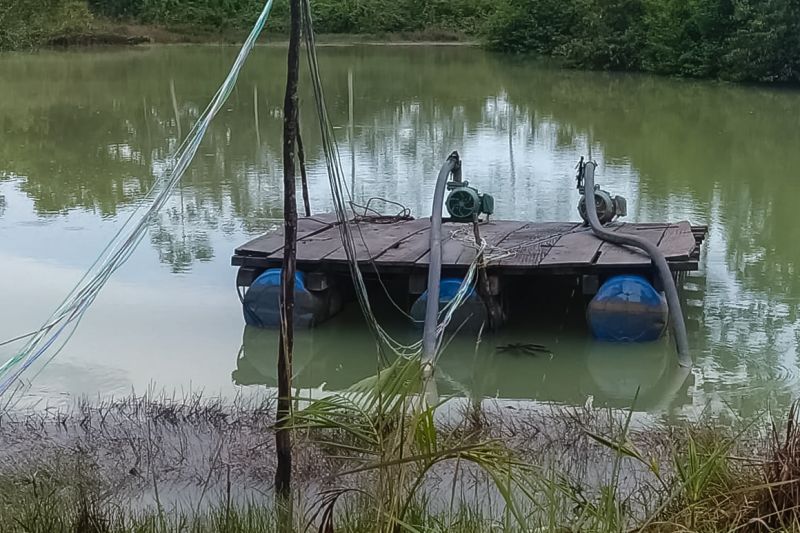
(83, 134)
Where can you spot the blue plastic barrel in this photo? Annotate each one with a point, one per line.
(261, 306)
(471, 314)
(628, 309)
(272, 278)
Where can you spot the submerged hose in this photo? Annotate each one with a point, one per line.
(660, 262)
(429, 334)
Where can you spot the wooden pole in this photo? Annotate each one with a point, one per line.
(301, 156)
(493, 309)
(175, 109)
(255, 116)
(283, 441)
(351, 132)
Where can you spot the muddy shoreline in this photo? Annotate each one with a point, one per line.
(118, 34)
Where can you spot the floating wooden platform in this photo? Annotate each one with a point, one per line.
(530, 248)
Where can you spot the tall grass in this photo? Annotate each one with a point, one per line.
(378, 458)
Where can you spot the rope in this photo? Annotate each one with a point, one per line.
(65, 319)
(343, 203)
(494, 253)
(377, 217)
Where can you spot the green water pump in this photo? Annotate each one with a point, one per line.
(465, 203)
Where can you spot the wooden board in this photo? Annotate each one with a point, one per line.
(451, 248)
(679, 241)
(578, 248)
(460, 251)
(532, 243)
(315, 247)
(492, 232)
(272, 242)
(372, 240)
(615, 255)
(407, 251)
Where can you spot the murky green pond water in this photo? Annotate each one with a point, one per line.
(84, 134)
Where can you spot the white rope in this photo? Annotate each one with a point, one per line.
(48, 339)
(342, 202)
(493, 253)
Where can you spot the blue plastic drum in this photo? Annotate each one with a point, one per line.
(261, 304)
(628, 309)
(471, 315)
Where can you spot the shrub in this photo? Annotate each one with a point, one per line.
(31, 23)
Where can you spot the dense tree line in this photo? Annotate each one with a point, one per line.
(331, 16)
(742, 40)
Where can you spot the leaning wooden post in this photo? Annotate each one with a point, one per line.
(283, 442)
(301, 156)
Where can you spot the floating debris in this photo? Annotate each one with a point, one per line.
(524, 348)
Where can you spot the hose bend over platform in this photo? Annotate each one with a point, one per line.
(452, 165)
(660, 262)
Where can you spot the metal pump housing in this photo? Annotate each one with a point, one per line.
(465, 203)
(608, 207)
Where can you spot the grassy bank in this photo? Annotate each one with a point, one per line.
(369, 465)
(26, 24)
(330, 16)
(743, 40)
(31, 24)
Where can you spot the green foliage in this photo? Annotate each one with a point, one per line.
(610, 36)
(384, 425)
(31, 23)
(742, 40)
(330, 16)
(541, 26)
(220, 14)
(766, 43)
(687, 37)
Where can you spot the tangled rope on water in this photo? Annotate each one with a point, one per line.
(51, 338)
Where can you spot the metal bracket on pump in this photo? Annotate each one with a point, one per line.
(608, 207)
(465, 203)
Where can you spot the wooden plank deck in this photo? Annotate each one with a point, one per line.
(520, 247)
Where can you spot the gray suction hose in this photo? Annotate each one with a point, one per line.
(660, 262)
(452, 165)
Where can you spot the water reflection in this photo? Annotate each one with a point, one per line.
(577, 372)
(85, 134)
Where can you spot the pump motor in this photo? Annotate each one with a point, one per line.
(465, 203)
(608, 207)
